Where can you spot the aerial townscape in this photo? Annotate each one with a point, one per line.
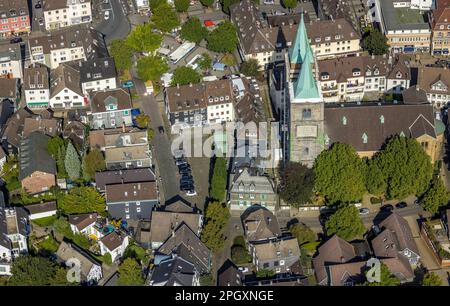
(133, 153)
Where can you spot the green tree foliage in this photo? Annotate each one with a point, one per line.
(375, 42)
(346, 223)
(207, 3)
(297, 183)
(436, 196)
(142, 121)
(250, 68)
(265, 273)
(143, 39)
(386, 278)
(303, 233)
(181, 5)
(81, 200)
(10, 173)
(34, 271)
(431, 279)
(93, 162)
(205, 63)
(193, 30)
(216, 218)
(405, 166)
(219, 180)
(290, 4)
(122, 54)
(107, 259)
(60, 162)
(226, 5)
(72, 162)
(184, 75)
(239, 252)
(53, 146)
(150, 135)
(206, 280)
(157, 3)
(223, 39)
(165, 18)
(375, 182)
(130, 273)
(151, 68)
(339, 174)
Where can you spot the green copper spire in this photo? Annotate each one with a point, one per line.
(301, 46)
(306, 87)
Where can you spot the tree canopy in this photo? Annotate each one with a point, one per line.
(151, 68)
(223, 39)
(53, 145)
(290, 4)
(81, 200)
(193, 30)
(130, 273)
(375, 42)
(226, 5)
(35, 271)
(405, 166)
(375, 183)
(250, 67)
(346, 223)
(72, 162)
(184, 75)
(165, 18)
(219, 180)
(143, 39)
(143, 121)
(297, 183)
(181, 5)
(93, 162)
(431, 279)
(207, 3)
(216, 218)
(339, 174)
(386, 278)
(303, 233)
(436, 196)
(205, 63)
(121, 53)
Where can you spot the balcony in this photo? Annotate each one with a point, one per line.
(329, 88)
(357, 84)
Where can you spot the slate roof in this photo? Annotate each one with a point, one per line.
(331, 28)
(127, 176)
(82, 221)
(112, 241)
(14, 126)
(9, 88)
(415, 95)
(64, 76)
(95, 69)
(118, 96)
(260, 224)
(129, 192)
(164, 222)
(18, 7)
(50, 127)
(247, 180)
(68, 251)
(40, 207)
(36, 77)
(34, 156)
(175, 271)
(428, 76)
(229, 275)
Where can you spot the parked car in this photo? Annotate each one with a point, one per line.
(106, 15)
(41, 22)
(184, 167)
(16, 40)
(401, 205)
(191, 193)
(38, 5)
(387, 208)
(186, 186)
(364, 211)
(180, 161)
(243, 269)
(161, 129)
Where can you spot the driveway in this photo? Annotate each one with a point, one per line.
(117, 26)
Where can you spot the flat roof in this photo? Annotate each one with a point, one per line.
(402, 18)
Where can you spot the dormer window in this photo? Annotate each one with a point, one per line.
(337, 37)
(318, 39)
(398, 75)
(324, 76)
(344, 120)
(382, 119)
(368, 72)
(356, 72)
(376, 72)
(365, 138)
(402, 134)
(327, 38)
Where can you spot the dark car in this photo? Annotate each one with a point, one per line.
(186, 186)
(16, 40)
(186, 172)
(161, 129)
(184, 167)
(38, 5)
(401, 205)
(387, 208)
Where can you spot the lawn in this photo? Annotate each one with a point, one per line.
(45, 222)
(49, 245)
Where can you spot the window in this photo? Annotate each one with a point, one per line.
(126, 112)
(139, 163)
(138, 209)
(365, 138)
(344, 120)
(381, 119)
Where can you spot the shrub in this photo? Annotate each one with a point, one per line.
(375, 200)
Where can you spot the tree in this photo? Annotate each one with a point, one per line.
(33, 271)
(250, 67)
(265, 273)
(303, 233)
(216, 217)
(157, 3)
(122, 54)
(436, 196)
(142, 121)
(72, 162)
(431, 279)
(165, 18)
(346, 223)
(144, 39)
(150, 135)
(53, 146)
(184, 75)
(181, 5)
(93, 162)
(219, 180)
(297, 183)
(375, 182)
(405, 166)
(226, 5)
(82, 200)
(205, 63)
(193, 30)
(339, 174)
(151, 68)
(60, 162)
(375, 42)
(386, 278)
(207, 3)
(290, 4)
(223, 39)
(130, 273)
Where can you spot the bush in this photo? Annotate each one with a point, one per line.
(49, 245)
(107, 259)
(45, 222)
(443, 254)
(239, 255)
(375, 200)
(239, 240)
(206, 280)
(264, 273)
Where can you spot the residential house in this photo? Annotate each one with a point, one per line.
(65, 89)
(376, 70)
(70, 44)
(96, 74)
(15, 17)
(131, 201)
(399, 76)
(37, 168)
(174, 271)
(86, 224)
(110, 109)
(36, 86)
(440, 26)
(164, 223)
(248, 187)
(260, 224)
(64, 13)
(113, 177)
(366, 127)
(41, 210)
(11, 61)
(185, 243)
(47, 126)
(354, 12)
(6, 111)
(75, 131)
(229, 275)
(12, 130)
(128, 157)
(143, 6)
(90, 269)
(435, 81)
(279, 256)
(114, 244)
(10, 89)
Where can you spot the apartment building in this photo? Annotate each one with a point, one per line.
(77, 43)
(440, 25)
(96, 74)
(36, 86)
(64, 13)
(10, 61)
(110, 109)
(65, 91)
(14, 18)
(435, 81)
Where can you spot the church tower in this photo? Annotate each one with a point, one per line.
(306, 102)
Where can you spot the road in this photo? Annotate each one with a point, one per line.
(165, 165)
(117, 26)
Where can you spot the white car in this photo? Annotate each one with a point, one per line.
(364, 211)
(106, 15)
(191, 193)
(243, 269)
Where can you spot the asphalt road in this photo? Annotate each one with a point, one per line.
(165, 165)
(117, 26)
